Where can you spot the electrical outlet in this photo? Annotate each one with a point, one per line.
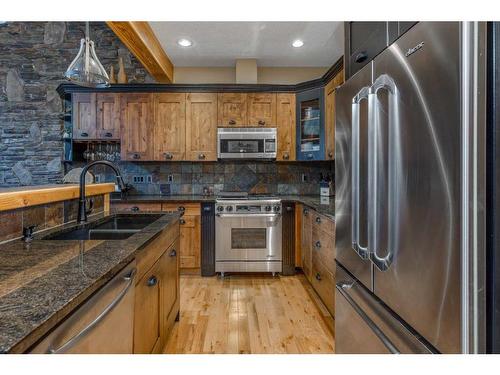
(304, 177)
(170, 178)
(138, 179)
(149, 178)
(97, 178)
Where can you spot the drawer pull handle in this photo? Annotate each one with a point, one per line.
(108, 135)
(201, 156)
(305, 212)
(286, 156)
(318, 276)
(168, 156)
(318, 220)
(182, 221)
(181, 208)
(152, 281)
(262, 122)
(232, 122)
(136, 156)
(135, 209)
(330, 155)
(317, 244)
(173, 253)
(84, 134)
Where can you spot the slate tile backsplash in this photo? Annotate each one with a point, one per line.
(252, 177)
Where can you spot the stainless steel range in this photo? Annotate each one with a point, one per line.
(248, 234)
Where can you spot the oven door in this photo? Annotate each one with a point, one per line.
(255, 237)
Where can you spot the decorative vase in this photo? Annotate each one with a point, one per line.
(112, 76)
(122, 76)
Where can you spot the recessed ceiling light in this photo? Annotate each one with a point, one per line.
(184, 42)
(297, 43)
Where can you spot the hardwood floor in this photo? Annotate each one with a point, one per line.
(248, 314)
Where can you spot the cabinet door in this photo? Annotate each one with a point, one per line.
(330, 89)
(136, 126)
(285, 122)
(310, 131)
(232, 109)
(261, 109)
(201, 126)
(190, 244)
(84, 116)
(147, 311)
(108, 115)
(169, 126)
(307, 242)
(169, 282)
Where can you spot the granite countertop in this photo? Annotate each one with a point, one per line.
(324, 205)
(42, 281)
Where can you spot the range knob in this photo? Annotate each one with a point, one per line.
(268, 208)
(220, 208)
(277, 208)
(229, 208)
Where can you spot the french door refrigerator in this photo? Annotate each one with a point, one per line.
(403, 165)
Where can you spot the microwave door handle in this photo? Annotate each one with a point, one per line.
(384, 82)
(342, 288)
(355, 185)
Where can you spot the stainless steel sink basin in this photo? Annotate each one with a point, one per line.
(118, 227)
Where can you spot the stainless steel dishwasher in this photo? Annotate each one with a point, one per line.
(102, 324)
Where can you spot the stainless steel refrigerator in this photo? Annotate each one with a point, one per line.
(408, 200)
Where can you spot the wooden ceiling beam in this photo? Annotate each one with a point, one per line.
(140, 39)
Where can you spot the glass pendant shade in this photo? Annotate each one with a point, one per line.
(86, 69)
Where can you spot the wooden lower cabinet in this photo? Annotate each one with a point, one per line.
(190, 234)
(318, 257)
(157, 293)
(306, 242)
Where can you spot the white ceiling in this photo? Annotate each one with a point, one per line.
(221, 43)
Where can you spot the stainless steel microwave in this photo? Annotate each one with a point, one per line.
(246, 143)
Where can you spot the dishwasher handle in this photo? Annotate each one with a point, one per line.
(342, 287)
(129, 278)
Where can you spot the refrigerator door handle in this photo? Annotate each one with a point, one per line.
(383, 82)
(363, 252)
(343, 287)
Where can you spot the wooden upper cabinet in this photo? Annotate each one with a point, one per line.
(261, 109)
(136, 126)
(84, 116)
(330, 90)
(285, 122)
(201, 127)
(169, 126)
(108, 115)
(232, 109)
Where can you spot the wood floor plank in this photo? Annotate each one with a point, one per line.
(249, 315)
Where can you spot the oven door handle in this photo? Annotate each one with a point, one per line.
(243, 216)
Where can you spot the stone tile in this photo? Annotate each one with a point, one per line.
(98, 203)
(186, 168)
(208, 168)
(197, 168)
(229, 168)
(34, 216)
(186, 178)
(11, 224)
(54, 214)
(70, 210)
(186, 189)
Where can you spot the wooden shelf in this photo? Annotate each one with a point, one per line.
(12, 198)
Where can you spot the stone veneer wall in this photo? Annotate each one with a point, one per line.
(33, 59)
(42, 217)
(252, 177)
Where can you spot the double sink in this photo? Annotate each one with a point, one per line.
(116, 227)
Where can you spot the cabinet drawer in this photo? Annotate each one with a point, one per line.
(323, 282)
(136, 207)
(323, 246)
(323, 223)
(189, 209)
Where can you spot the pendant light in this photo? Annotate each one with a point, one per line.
(86, 69)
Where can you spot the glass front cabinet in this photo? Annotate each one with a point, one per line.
(310, 125)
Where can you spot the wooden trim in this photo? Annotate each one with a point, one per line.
(107, 204)
(12, 198)
(140, 39)
(65, 88)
